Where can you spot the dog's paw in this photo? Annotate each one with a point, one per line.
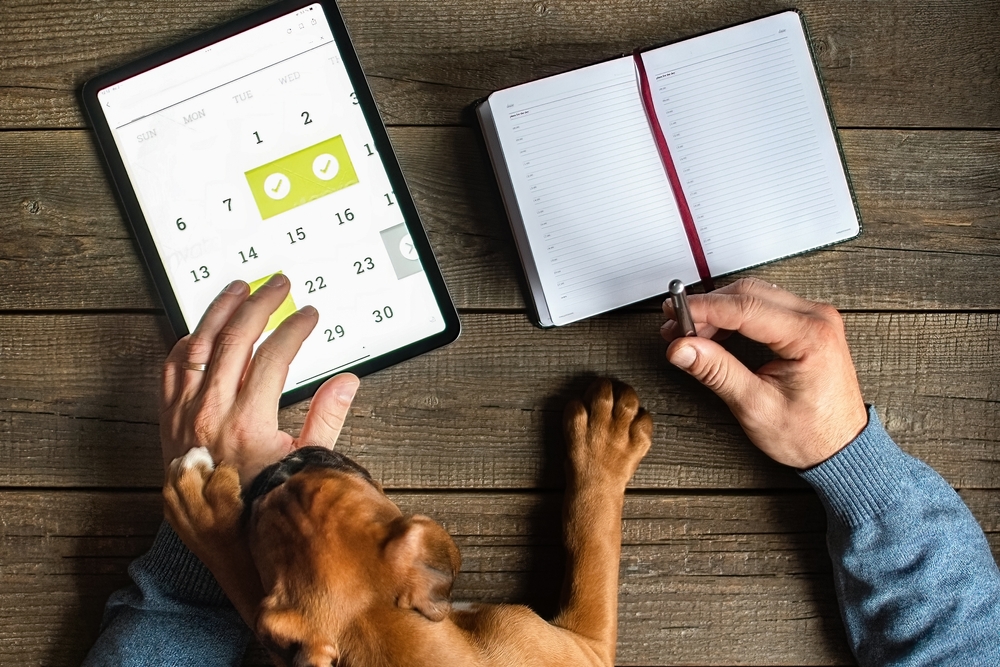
(608, 433)
(196, 457)
(202, 502)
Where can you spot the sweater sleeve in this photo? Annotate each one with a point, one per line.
(173, 614)
(914, 575)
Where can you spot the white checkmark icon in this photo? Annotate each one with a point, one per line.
(277, 186)
(325, 166)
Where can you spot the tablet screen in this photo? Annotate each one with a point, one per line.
(251, 157)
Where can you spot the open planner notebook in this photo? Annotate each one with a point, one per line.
(691, 160)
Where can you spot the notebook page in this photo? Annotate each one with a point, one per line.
(597, 209)
(744, 118)
(488, 125)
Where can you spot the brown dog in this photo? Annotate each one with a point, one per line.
(345, 578)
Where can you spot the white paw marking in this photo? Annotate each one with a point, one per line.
(197, 456)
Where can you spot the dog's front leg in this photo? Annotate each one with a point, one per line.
(606, 437)
(204, 506)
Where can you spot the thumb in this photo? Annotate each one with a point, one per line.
(713, 366)
(328, 411)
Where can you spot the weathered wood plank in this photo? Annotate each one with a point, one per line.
(888, 65)
(78, 402)
(692, 568)
(931, 203)
(703, 577)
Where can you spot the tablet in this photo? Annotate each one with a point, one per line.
(257, 148)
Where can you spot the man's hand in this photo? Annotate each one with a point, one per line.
(799, 409)
(232, 407)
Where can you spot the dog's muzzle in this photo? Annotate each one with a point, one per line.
(278, 473)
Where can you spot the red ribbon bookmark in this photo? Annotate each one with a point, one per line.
(675, 182)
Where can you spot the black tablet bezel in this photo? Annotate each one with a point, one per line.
(127, 196)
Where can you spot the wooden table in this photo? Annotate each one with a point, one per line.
(724, 559)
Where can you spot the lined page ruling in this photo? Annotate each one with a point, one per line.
(597, 209)
(744, 117)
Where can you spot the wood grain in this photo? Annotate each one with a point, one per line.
(886, 65)
(930, 201)
(702, 577)
(78, 402)
(724, 559)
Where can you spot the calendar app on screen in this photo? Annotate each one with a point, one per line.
(252, 157)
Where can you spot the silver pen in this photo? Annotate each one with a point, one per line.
(678, 297)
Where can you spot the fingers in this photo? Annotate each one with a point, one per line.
(173, 374)
(235, 340)
(754, 287)
(713, 366)
(748, 294)
(328, 411)
(196, 348)
(669, 331)
(264, 380)
(768, 292)
(784, 330)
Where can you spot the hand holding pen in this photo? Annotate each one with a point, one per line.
(801, 408)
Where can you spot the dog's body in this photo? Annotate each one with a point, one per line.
(329, 571)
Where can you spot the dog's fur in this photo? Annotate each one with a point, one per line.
(329, 571)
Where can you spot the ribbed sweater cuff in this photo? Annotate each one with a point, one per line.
(178, 572)
(864, 478)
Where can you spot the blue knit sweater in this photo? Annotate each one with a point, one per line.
(916, 581)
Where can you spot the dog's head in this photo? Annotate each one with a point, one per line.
(334, 553)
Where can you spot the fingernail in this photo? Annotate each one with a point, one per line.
(684, 357)
(308, 310)
(236, 287)
(667, 330)
(277, 280)
(346, 390)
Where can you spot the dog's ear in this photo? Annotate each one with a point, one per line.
(424, 561)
